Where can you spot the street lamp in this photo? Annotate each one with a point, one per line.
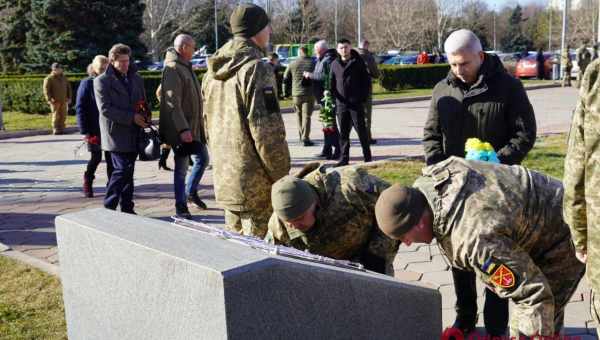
(216, 29)
(358, 19)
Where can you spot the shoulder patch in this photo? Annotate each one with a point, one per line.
(503, 277)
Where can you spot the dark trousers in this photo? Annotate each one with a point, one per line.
(495, 310)
(120, 185)
(331, 139)
(92, 165)
(348, 118)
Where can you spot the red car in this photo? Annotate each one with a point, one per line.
(527, 67)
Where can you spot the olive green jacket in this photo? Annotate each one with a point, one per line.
(57, 88)
(180, 101)
(295, 74)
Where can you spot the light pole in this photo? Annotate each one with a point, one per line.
(335, 28)
(549, 28)
(359, 23)
(494, 14)
(216, 29)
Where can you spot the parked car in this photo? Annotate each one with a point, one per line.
(198, 63)
(401, 60)
(157, 66)
(527, 67)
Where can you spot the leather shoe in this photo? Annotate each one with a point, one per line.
(194, 198)
(308, 143)
(181, 210)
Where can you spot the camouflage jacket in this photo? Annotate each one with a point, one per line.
(501, 222)
(582, 174)
(243, 124)
(345, 218)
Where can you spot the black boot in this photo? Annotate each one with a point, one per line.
(162, 161)
(181, 210)
(194, 198)
(88, 190)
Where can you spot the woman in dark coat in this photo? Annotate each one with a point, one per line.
(87, 120)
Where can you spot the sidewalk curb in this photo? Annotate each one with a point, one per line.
(29, 133)
(44, 266)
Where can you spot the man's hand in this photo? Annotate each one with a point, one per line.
(140, 120)
(307, 74)
(581, 256)
(186, 136)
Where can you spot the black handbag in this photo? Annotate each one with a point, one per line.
(149, 144)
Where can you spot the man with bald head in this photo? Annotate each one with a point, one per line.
(478, 99)
(181, 122)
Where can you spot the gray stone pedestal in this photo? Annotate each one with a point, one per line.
(128, 277)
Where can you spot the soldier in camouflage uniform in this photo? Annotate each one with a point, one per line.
(582, 179)
(583, 57)
(502, 222)
(244, 127)
(332, 214)
(566, 65)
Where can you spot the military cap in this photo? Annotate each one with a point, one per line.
(398, 209)
(247, 20)
(291, 197)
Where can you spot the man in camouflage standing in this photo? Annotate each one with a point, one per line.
(332, 214)
(58, 94)
(244, 127)
(566, 65)
(583, 57)
(302, 92)
(581, 205)
(502, 222)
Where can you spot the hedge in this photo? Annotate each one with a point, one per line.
(398, 77)
(24, 93)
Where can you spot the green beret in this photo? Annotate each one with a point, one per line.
(247, 20)
(398, 209)
(291, 197)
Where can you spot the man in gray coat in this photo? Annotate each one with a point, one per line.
(119, 92)
(181, 122)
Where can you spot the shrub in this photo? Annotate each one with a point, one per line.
(398, 77)
(24, 93)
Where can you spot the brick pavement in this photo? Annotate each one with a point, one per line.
(40, 178)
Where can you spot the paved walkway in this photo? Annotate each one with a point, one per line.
(40, 178)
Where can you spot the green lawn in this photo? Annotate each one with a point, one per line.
(547, 156)
(16, 121)
(31, 306)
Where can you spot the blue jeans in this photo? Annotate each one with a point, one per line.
(200, 159)
(120, 184)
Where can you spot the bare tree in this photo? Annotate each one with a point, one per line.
(157, 15)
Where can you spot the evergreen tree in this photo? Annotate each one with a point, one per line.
(14, 24)
(515, 40)
(72, 32)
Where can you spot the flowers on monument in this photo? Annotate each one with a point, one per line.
(478, 150)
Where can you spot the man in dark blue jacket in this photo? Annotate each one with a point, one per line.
(89, 125)
(118, 91)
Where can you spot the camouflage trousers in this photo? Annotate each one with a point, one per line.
(566, 80)
(563, 271)
(253, 221)
(304, 106)
(595, 309)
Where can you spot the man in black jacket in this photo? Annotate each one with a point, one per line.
(350, 88)
(477, 99)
